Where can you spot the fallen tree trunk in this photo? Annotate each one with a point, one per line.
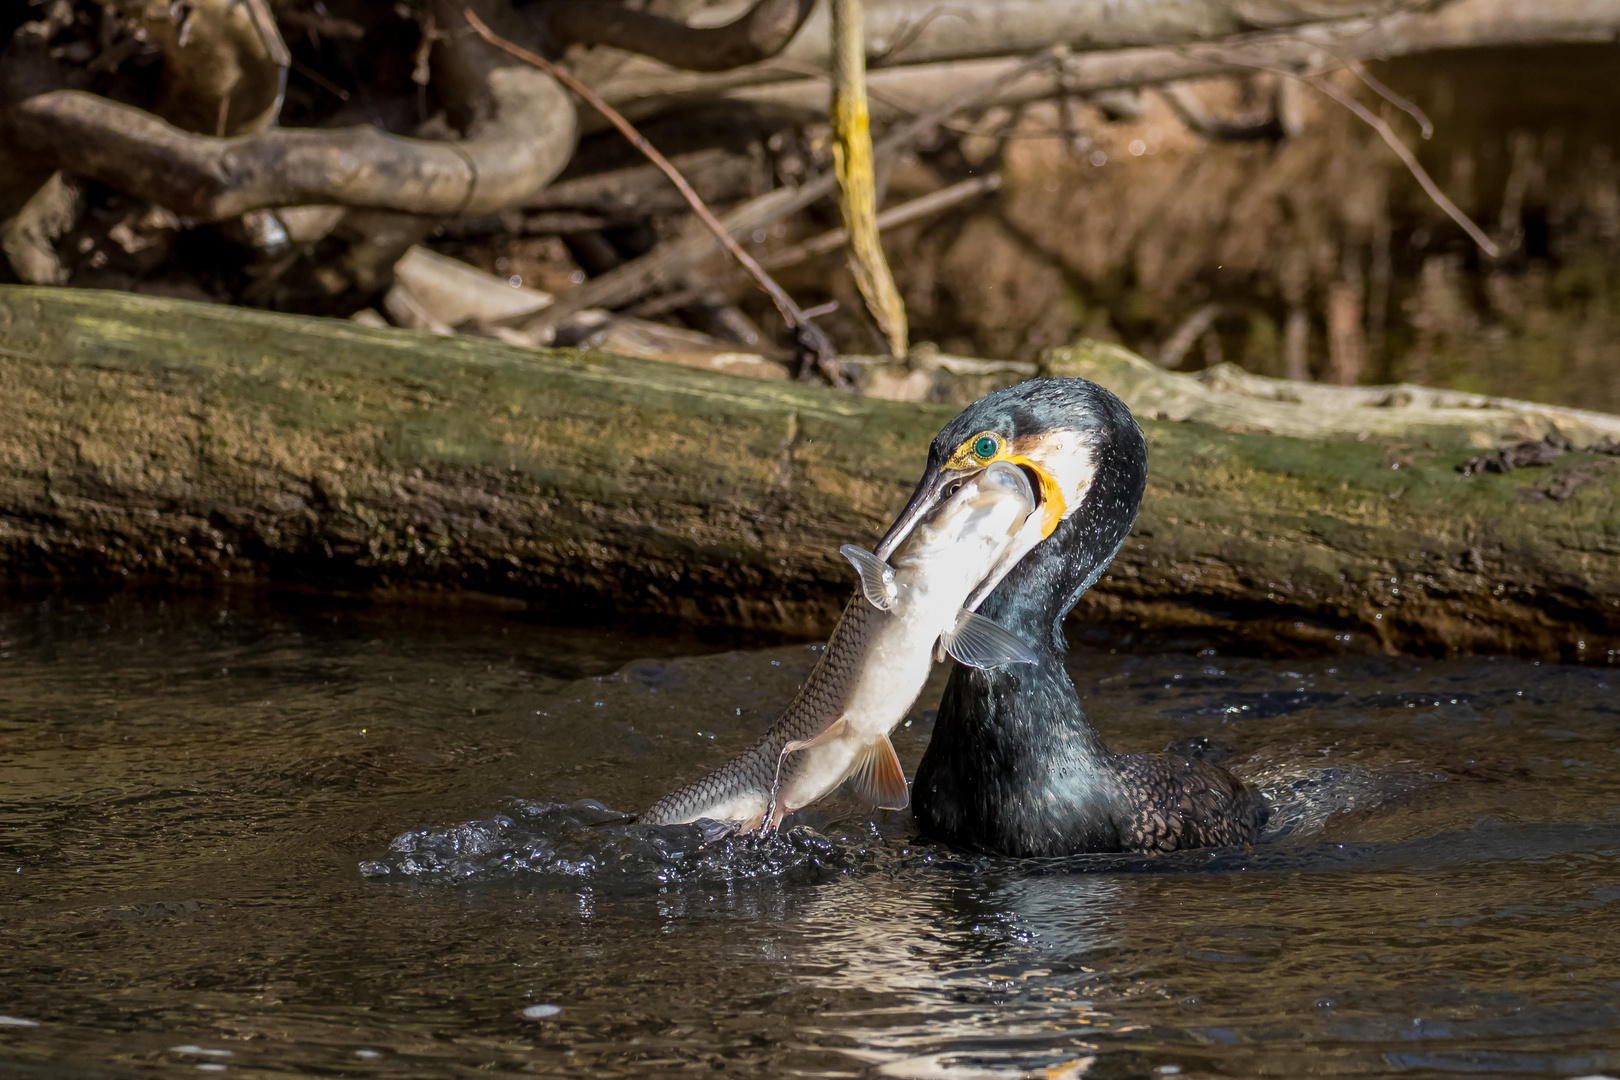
(159, 439)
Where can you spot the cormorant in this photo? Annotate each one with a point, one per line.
(1014, 767)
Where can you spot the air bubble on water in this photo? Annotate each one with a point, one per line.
(367, 1055)
(541, 1012)
(194, 1050)
(17, 1021)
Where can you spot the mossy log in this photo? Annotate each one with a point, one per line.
(146, 438)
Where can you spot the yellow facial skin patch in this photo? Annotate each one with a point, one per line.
(970, 456)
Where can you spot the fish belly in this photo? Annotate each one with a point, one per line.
(882, 699)
(747, 807)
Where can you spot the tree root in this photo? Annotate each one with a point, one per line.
(520, 133)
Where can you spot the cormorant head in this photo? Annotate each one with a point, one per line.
(1087, 461)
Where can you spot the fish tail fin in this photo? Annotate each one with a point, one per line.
(877, 576)
(980, 642)
(878, 777)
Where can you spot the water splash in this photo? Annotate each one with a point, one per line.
(570, 842)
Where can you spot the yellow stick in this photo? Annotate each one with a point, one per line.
(857, 186)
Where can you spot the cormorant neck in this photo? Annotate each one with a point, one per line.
(1038, 594)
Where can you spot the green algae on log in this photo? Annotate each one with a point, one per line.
(147, 438)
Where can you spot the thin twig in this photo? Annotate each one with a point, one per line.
(831, 240)
(810, 336)
(1405, 104)
(320, 80)
(894, 217)
(810, 71)
(1409, 159)
(660, 267)
(264, 21)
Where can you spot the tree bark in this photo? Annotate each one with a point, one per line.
(758, 34)
(914, 32)
(146, 438)
(639, 91)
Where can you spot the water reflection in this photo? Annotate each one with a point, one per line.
(186, 800)
(955, 975)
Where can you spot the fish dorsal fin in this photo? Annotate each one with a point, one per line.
(878, 778)
(877, 576)
(980, 642)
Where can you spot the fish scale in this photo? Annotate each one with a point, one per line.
(818, 702)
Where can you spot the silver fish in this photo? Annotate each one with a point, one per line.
(875, 665)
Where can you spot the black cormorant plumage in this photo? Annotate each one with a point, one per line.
(1013, 766)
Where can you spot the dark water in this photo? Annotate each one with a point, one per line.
(192, 797)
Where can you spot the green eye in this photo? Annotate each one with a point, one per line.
(986, 447)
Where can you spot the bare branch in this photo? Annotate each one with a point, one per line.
(911, 32)
(758, 34)
(934, 202)
(1176, 346)
(1410, 160)
(520, 134)
(1400, 101)
(1318, 46)
(635, 193)
(810, 336)
(667, 265)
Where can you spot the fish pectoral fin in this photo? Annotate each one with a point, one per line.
(980, 642)
(774, 811)
(877, 576)
(878, 777)
(835, 729)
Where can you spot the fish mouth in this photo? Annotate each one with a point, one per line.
(939, 485)
(935, 487)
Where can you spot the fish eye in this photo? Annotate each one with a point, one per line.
(985, 447)
(952, 488)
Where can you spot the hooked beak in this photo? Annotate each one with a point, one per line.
(929, 494)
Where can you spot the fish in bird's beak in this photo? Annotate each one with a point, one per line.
(1055, 497)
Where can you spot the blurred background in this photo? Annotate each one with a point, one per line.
(1240, 214)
